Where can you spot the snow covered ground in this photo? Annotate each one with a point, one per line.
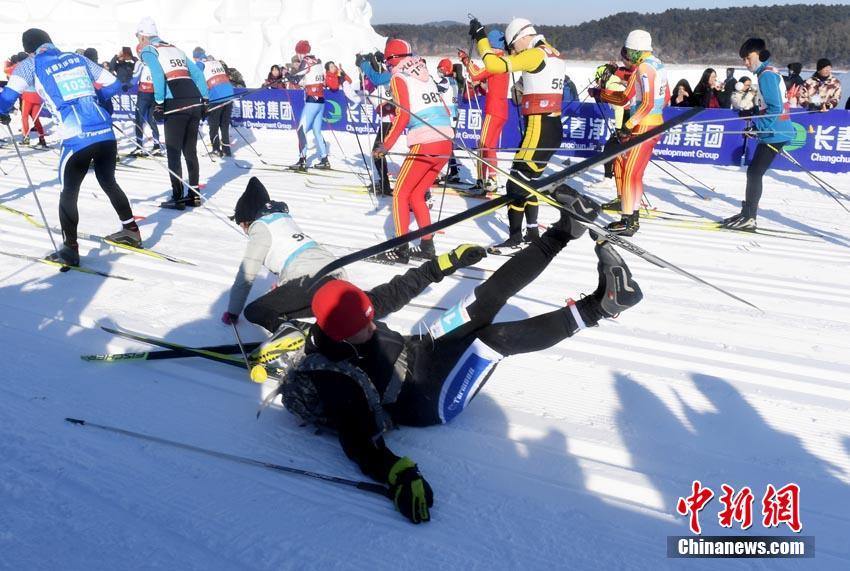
(570, 458)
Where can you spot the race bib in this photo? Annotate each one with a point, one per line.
(74, 83)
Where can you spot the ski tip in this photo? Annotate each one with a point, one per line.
(75, 421)
(64, 269)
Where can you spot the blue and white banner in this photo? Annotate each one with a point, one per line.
(822, 141)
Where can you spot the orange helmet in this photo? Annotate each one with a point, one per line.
(397, 49)
(445, 66)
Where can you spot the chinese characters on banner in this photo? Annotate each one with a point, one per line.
(822, 141)
(778, 506)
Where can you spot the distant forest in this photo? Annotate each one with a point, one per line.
(798, 32)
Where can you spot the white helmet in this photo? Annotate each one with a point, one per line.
(518, 28)
(146, 27)
(639, 40)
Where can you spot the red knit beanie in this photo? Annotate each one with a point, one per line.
(341, 309)
(302, 47)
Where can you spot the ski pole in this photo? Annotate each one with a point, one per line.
(677, 179)
(360, 485)
(197, 192)
(794, 161)
(206, 148)
(32, 188)
(258, 373)
(684, 172)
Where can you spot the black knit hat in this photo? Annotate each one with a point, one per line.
(822, 63)
(755, 45)
(33, 38)
(91, 54)
(795, 67)
(254, 201)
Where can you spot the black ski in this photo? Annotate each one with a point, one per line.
(228, 349)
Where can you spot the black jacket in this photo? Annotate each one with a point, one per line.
(343, 400)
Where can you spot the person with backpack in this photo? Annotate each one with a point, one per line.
(357, 376)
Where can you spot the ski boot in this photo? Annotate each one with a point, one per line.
(25, 141)
(173, 204)
(744, 223)
(617, 291)
(382, 188)
(278, 353)
(576, 207)
(400, 255)
(192, 200)
(424, 251)
(615, 204)
(67, 255)
(42, 144)
(532, 233)
(127, 236)
(452, 177)
(323, 164)
(514, 242)
(300, 166)
(136, 153)
(735, 217)
(491, 185)
(157, 151)
(627, 225)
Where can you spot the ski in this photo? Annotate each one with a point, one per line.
(378, 489)
(102, 239)
(284, 169)
(229, 349)
(64, 268)
(236, 361)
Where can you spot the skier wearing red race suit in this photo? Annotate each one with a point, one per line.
(423, 112)
(495, 112)
(649, 93)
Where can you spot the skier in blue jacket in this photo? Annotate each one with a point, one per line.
(372, 68)
(772, 131)
(220, 90)
(180, 94)
(73, 89)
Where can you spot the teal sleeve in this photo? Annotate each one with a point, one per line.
(157, 73)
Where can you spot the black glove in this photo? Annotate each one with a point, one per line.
(125, 87)
(158, 113)
(461, 257)
(411, 494)
(375, 62)
(476, 30)
(624, 134)
(205, 108)
(358, 59)
(379, 56)
(5, 118)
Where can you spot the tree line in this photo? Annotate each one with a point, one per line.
(796, 32)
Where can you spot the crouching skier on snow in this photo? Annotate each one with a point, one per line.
(72, 88)
(276, 242)
(362, 378)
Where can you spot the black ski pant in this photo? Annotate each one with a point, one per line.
(289, 300)
(181, 138)
(762, 160)
(219, 124)
(442, 379)
(610, 145)
(76, 166)
(543, 134)
(381, 172)
(144, 114)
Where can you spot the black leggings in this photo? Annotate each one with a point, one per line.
(381, 172)
(762, 160)
(542, 132)
(103, 154)
(181, 137)
(514, 337)
(219, 121)
(289, 300)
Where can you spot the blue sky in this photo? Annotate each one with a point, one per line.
(548, 11)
